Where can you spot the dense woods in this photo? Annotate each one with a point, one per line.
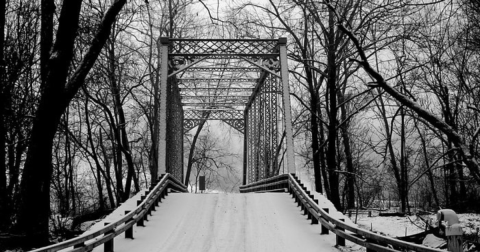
(385, 96)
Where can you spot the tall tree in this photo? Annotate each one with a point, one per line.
(468, 158)
(57, 90)
(3, 168)
(191, 152)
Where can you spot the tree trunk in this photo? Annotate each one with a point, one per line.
(56, 93)
(314, 130)
(470, 161)
(321, 152)
(315, 144)
(350, 175)
(192, 147)
(427, 164)
(4, 213)
(106, 175)
(313, 108)
(94, 155)
(332, 126)
(122, 141)
(403, 164)
(390, 150)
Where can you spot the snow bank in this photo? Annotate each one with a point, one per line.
(323, 202)
(128, 205)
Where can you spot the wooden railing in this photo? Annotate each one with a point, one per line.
(342, 230)
(124, 225)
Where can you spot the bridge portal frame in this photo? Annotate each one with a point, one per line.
(173, 56)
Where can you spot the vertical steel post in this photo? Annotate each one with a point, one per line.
(181, 146)
(282, 43)
(162, 133)
(245, 146)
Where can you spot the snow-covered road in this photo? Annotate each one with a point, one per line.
(226, 222)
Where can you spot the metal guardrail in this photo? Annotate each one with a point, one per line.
(125, 225)
(273, 183)
(342, 230)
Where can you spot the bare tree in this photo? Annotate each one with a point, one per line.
(58, 88)
(424, 114)
(212, 160)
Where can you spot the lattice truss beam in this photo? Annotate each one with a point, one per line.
(236, 81)
(263, 131)
(224, 47)
(234, 118)
(218, 76)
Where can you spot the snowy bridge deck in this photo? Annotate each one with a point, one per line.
(226, 222)
(230, 222)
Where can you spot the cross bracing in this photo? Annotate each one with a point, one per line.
(224, 47)
(220, 69)
(219, 89)
(214, 104)
(216, 80)
(234, 118)
(216, 97)
(243, 83)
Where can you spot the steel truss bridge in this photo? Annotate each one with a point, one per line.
(243, 83)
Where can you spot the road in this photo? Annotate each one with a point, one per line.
(226, 222)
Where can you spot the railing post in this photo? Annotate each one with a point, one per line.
(143, 197)
(369, 249)
(340, 240)
(157, 200)
(305, 208)
(108, 245)
(324, 229)
(129, 231)
(140, 220)
(147, 212)
(152, 207)
(82, 244)
(314, 219)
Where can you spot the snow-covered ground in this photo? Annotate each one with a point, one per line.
(250, 222)
(391, 226)
(399, 226)
(118, 213)
(226, 222)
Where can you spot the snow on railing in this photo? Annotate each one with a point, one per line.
(342, 230)
(125, 225)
